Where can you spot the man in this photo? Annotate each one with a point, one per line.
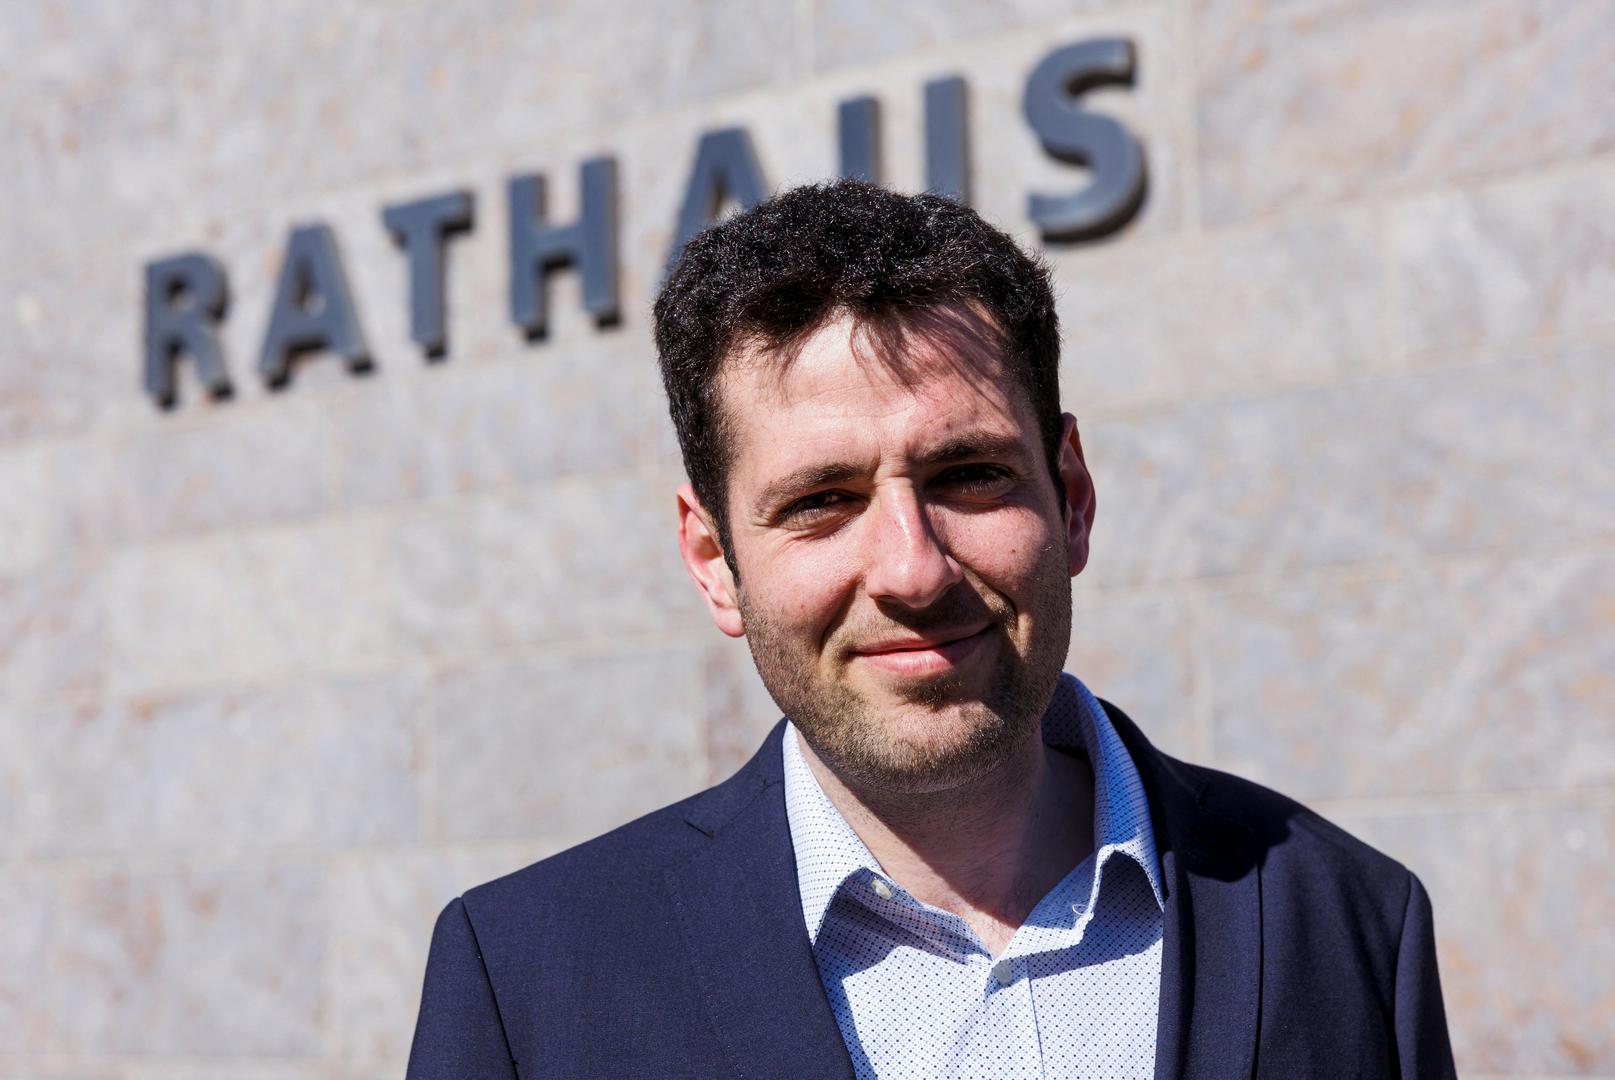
(949, 859)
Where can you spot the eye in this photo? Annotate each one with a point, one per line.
(811, 508)
(977, 478)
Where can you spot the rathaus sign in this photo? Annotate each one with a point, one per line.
(313, 309)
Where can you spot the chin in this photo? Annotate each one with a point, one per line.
(917, 748)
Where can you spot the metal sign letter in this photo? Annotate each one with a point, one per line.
(589, 243)
(725, 168)
(858, 129)
(186, 297)
(947, 141)
(1070, 133)
(422, 229)
(313, 308)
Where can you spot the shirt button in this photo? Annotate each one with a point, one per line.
(1004, 972)
(882, 890)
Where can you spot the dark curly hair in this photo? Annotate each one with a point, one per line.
(768, 278)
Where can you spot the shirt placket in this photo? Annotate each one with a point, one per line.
(1005, 1041)
(1010, 1035)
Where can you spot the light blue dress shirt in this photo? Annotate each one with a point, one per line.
(916, 993)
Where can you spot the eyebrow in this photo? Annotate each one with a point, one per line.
(969, 447)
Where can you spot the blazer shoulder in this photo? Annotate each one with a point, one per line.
(1297, 841)
(619, 866)
(1282, 833)
(594, 867)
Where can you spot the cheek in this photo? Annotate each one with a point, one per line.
(800, 587)
(1007, 547)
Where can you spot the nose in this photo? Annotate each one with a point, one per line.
(905, 561)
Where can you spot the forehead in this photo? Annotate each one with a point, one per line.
(849, 383)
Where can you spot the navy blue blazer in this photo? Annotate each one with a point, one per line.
(674, 947)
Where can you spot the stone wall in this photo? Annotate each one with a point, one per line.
(282, 674)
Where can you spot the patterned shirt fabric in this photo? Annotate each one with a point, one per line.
(917, 994)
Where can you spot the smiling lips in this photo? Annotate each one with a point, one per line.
(921, 656)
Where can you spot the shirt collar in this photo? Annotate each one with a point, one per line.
(829, 852)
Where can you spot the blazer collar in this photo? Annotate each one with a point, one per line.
(740, 913)
(1212, 937)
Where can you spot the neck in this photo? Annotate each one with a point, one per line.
(987, 850)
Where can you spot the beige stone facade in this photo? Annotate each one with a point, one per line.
(282, 674)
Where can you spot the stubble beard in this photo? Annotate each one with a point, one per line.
(975, 731)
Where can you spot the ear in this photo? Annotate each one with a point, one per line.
(703, 558)
(1079, 494)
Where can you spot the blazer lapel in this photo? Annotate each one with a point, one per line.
(1212, 933)
(740, 913)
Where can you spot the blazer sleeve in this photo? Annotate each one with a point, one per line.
(1423, 1049)
(459, 1034)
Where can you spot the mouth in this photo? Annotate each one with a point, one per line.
(922, 656)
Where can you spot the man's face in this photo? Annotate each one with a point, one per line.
(903, 556)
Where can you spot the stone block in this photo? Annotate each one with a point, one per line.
(580, 560)
(384, 906)
(1300, 104)
(525, 422)
(182, 1069)
(1472, 677)
(845, 32)
(216, 469)
(62, 502)
(690, 54)
(17, 782)
(58, 373)
(27, 513)
(564, 748)
(244, 606)
(327, 96)
(739, 710)
(1510, 456)
(1136, 653)
(314, 764)
(222, 961)
(56, 1069)
(283, 1071)
(1521, 893)
(27, 1024)
(1509, 263)
(1155, 323)
(53, 630)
